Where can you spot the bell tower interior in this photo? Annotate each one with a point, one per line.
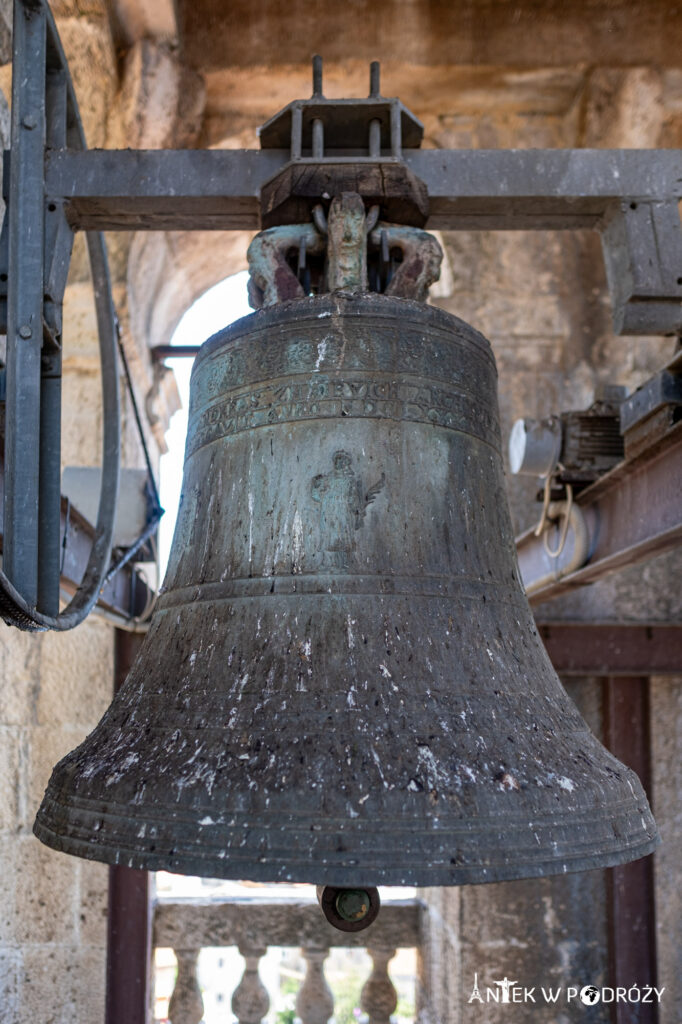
(535, 242)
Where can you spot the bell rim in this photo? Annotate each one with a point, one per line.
(417, 875)
(625, 829)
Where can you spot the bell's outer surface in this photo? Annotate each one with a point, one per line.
(342, 682)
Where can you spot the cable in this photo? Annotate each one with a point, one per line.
(138, 419)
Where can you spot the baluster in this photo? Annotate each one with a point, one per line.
(250, 1001)
(379, 997)
(186, 1005)
(314, 1002)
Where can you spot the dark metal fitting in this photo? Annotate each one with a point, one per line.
(317, 76)
(349, 910)
(352, 904)
(374, 79)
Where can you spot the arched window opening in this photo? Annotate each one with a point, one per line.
(218, 307)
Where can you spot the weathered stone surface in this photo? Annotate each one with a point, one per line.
(45, 895)
(77, 671)
(439, 966)
(92, 906)
(643, 592)
(186, 1005)
(92, 62)
(526, 34)
(167, 272)
(666, 737)
(145, 19)
(4, 120)
(623, 108)
(253, 923)
(63, 984)
(5, 31)
(81, 353)
(8, 880)
(551, 932)
(78, 9)
(160, 102)
(82, 430)
(12, 770)
(19, 676)
(10, 986)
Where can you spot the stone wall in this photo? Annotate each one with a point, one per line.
(552, 76)
(55, 687)
(542, 301)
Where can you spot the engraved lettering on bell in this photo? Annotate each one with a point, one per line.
(342, 502)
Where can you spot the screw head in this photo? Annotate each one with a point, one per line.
(30, 122)
(25, 331)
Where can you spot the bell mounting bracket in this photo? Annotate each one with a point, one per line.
(310, 152)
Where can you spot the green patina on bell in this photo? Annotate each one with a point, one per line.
(342, 682)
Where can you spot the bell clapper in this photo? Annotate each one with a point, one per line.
(349, 910)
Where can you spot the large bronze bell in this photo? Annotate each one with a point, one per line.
(342, 682)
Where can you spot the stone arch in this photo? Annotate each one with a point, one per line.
(168, 271)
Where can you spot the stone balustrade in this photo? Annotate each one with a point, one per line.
(252, 925)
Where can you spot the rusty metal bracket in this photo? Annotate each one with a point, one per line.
(344, 238)
(272, 278)
(421, 258)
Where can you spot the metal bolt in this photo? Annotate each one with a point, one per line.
(317, 76)
(30, 122)
(375, 137)
(374, 78)
(25, 331)
(352, 904)
(318, 138)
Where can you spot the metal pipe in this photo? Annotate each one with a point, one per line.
(577, 529)
(318, 139)
(317, 77)
(160, 352)
(320, 219)
(374, 79)
(296, 133)
(49, 524)
(49, 499)
(375, 137)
